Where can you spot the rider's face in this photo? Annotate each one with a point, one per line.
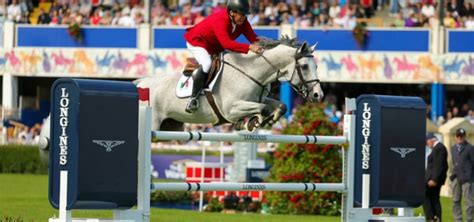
(238, 17)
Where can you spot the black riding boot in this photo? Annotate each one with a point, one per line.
(199, 79)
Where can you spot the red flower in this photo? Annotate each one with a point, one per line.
(327, 147)
(311, 148)
(285, 178)
(297, 176)
(296, 198)
(277, 154)
(293, 199)
(289, 154)
(316, 124)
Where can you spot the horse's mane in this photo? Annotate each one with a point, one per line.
(268, 43)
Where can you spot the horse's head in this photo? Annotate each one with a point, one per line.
(301, 73)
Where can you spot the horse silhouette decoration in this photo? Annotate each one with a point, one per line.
(104, 62)
(240, 92)
(332, 65)
(453, 67)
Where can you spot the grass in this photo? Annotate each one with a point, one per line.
(446, 205)
(26, 196)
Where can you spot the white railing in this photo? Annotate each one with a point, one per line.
(246, 137)
(217, 186)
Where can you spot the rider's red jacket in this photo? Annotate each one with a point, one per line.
(215, 34)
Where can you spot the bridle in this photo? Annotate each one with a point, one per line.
(302, 88)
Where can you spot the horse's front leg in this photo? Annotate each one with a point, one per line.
(273, 111)
(260, 114)
(241, 109)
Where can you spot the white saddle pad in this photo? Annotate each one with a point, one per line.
(185, 87)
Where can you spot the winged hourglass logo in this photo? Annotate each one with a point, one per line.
(402, 151)
(109, 144)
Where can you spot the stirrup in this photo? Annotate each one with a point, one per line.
(192, 105)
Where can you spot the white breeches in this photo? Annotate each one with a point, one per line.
(201, 55)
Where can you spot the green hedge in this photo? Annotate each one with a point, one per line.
(307, 163)
(171, 196)
(21, 159)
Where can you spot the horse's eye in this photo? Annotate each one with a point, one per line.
(304, 66)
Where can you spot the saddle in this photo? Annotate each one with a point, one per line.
(216, 68)
(192, 64)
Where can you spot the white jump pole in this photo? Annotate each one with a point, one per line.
(64, 215)
(203, 162)
(244, 137)
(309, 187)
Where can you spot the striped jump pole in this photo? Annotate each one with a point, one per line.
(246, 137)
(219, 186)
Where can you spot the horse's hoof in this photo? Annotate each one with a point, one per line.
(265, 122)
(254, 122)
(250, 128)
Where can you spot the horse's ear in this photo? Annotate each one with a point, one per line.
(293, 41)
(314, 47)
(302, 50)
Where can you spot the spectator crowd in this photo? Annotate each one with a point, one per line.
(459, 109)
(308, 13)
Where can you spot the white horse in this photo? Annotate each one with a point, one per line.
(240, 92)
(242, 89)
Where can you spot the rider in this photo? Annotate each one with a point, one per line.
(215, 34)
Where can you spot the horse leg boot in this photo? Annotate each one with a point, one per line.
(271, 117)
(199, 79)
(272, 112)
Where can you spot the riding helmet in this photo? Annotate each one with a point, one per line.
(241, 6)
